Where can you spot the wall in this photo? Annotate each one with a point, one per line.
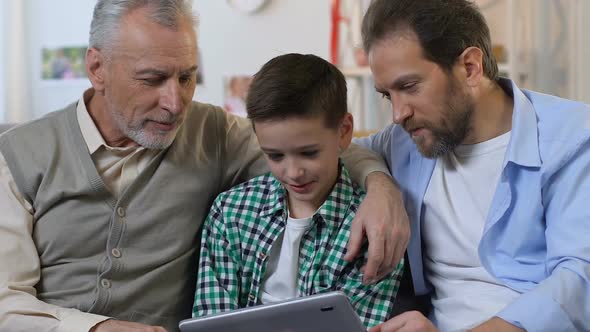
(236, 43)
(52, 24)
(231, 43)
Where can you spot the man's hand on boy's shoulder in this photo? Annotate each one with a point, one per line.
(383, 219)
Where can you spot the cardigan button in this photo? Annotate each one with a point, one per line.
(116, 253)
(105, 283)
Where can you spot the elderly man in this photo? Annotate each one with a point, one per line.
(495, 178)
(102, 201)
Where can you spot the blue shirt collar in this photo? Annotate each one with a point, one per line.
(523, 148)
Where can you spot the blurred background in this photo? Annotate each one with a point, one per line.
(540, 43)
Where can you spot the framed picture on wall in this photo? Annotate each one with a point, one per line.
(63, 63)
(235, 89)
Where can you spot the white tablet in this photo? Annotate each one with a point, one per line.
(321, 312)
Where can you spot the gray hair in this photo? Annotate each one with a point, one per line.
(108, 15)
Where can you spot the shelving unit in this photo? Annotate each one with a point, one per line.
(359, 80)
(357, 96)
(509, 32)
(356, 72)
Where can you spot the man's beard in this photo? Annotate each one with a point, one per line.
(149, 140)
(455, 124)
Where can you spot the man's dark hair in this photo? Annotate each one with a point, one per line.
(297, 85)
(445, 28)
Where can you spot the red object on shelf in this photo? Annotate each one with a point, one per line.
(335, 36)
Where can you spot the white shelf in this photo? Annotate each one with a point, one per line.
(356, 71)
(503, 68)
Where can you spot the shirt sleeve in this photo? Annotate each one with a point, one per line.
(241, 157)
(373, 302)
(217, 281)
(20, 310)
(379, 143)
(361, 161)
(561, 302)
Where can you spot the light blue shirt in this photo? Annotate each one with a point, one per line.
(536, 238)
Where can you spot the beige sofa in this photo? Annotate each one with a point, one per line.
(5, 126)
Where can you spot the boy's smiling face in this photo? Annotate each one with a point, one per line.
(302, 153)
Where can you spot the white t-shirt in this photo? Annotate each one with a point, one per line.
(280, 280)
(456, 205)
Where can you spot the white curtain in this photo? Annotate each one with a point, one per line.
(2, 60)
(15, 87)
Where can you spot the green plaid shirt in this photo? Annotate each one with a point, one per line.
(241, 228)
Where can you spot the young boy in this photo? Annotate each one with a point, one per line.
(283, 235)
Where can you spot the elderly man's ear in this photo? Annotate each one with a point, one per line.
(95, 68)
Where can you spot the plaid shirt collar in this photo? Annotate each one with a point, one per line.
(331, 211)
